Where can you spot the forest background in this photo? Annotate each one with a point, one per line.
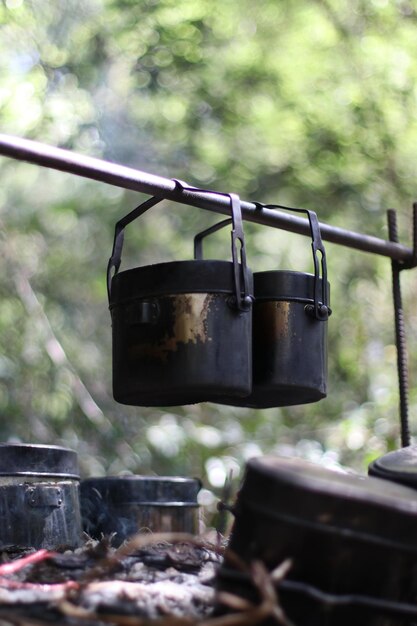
(305, 103)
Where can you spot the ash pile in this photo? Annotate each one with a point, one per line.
(167, 578)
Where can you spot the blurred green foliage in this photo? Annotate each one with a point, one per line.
(303, 103)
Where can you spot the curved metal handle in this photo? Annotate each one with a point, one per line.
(243, 300)
(242, 296)
(116, 255)
(198, 239)
(320, 310)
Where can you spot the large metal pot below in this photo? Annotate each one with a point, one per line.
(352, 539)
(39, 499)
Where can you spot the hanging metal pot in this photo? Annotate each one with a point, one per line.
(289, 337)
(181, 330)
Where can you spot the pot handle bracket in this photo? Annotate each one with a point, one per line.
(320, 310)
(242, 299)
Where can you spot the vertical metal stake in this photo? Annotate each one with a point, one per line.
(400, 339)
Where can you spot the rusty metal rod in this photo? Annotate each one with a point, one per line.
(136, 180)
(400, 335)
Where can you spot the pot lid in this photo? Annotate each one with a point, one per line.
(307, 494)
(399, 466)
(174, 277)
(26, 459)
(285, 285)
(155, 490)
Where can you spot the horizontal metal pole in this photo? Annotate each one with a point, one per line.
(136, 180)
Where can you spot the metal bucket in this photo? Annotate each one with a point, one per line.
(289, 330)
(39, 499)
(352, 541)
(181, 330)
(130, 504)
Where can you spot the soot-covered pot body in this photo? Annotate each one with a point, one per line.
(347, 536)
(178, 337)
(39, 497)
(120, 506)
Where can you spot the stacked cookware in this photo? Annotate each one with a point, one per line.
(44, 505)
(210, 330)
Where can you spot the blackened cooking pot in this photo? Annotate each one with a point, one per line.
(289, 330)
(352, 541)
(39, 499)
(125, 505)
(181, 330)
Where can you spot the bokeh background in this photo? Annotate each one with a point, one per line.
(306, 103)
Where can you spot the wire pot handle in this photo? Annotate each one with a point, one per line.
(320, 310)
(198, 239)
(242, 297)
(116, 255)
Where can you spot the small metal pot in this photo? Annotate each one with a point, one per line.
(352, 541)
(39, 499)
(181, 330)
(126, 505)
(289, 330)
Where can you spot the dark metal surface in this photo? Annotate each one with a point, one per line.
(151, 490)
(44, 495)
(398, 466)
(329, 525)
(24, 459)
(40, 514)
(327, 606)
(198, 345)
(39, 501)
(289, 346)
(242, 296)
(125, 505)
(181, 330)
(289, 337)
(129, 178)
